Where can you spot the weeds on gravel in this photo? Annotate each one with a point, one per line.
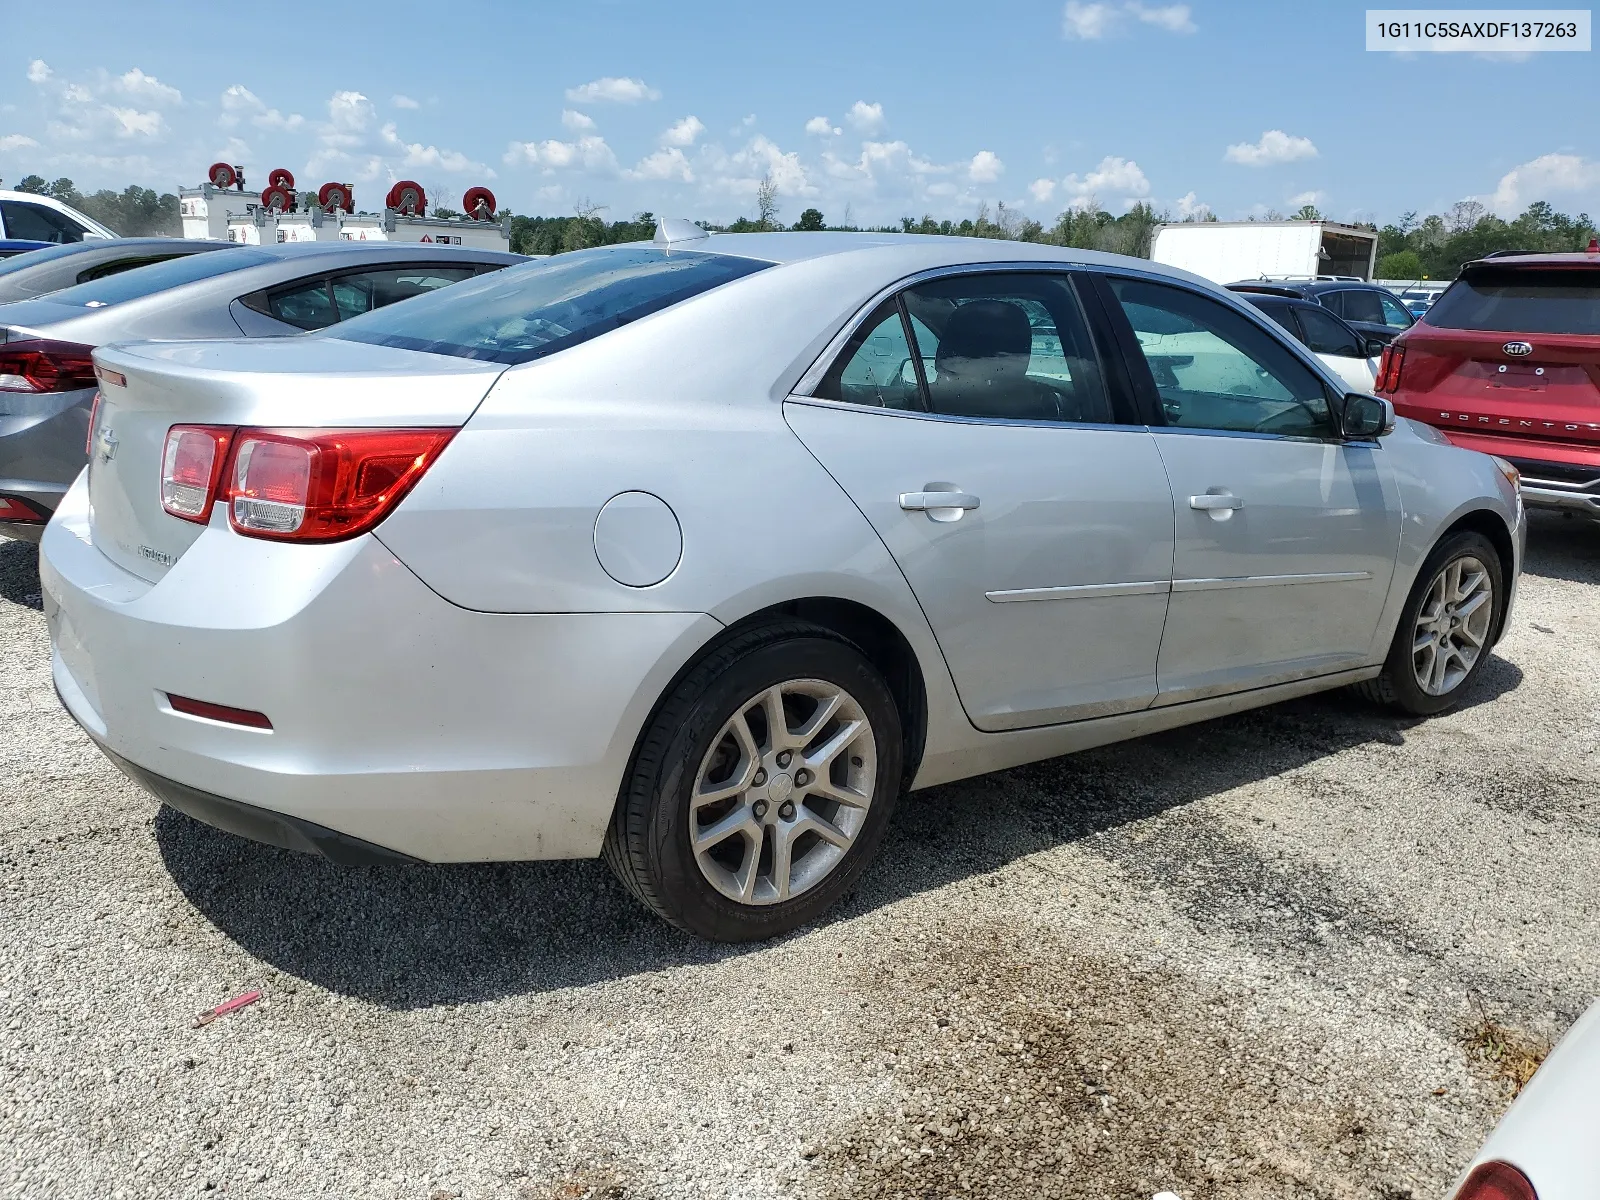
(1509, 1054)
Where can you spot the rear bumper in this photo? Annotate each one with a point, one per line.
(1555, 475)
(401, 722)
(42, 444)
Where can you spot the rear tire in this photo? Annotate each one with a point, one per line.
(1446, 628)
(735, 830)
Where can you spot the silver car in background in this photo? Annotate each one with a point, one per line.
(47, 380)
(697, 553)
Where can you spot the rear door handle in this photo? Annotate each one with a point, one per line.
(1206, 503)
(940, 506)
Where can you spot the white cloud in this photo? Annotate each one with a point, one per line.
(350, 112)
(1042, 190)
(822, 127)
(589, 153)
(39, 71)
(1189, 206)
(1090, 22)
(1119, 178)
(576, 121)
(17, 141)
(617, 91)
(133, 123)
(1275, 146)
(666, 163)
(741, 172)
(239, 102)
(147, 88)
(1543, 177)
(415, 154)
(683, 133)
(1300, 199)
(985, 167)
(400, 101)
(866, 118)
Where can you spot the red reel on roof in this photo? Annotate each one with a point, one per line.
(407, 197)
(281, 178)
(333, 196)
(277, 198)
(222, 175)
(478, 204)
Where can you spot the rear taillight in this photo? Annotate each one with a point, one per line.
(1496, 1181)
(44, 365)
(295, 485)
(1394, 358)
(219, 712)
(12, 509)
(191, 464)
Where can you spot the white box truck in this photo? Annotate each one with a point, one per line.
(1229, 251)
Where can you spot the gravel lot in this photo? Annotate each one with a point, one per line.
(1257, 958)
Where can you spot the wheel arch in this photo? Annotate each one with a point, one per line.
(1491, 525)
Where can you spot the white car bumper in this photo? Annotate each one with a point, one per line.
(400, 722)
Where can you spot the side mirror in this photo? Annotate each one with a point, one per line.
(1375, 347)
(1366, 417)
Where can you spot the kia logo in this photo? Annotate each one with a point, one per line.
(1518, 349)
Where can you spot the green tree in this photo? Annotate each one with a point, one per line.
(811, 220)
(1308, 212)
(32, 183)
(1402, 264)
(767, 203)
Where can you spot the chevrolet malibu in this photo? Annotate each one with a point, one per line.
(698, 553)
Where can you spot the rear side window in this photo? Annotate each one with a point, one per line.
(1360, 306)
(1525, 301)
(527, 312)
(158, 277)
(1325, 335)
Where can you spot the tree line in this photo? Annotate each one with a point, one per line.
(1428, 247)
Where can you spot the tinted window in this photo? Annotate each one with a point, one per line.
(158, 277)
(38, 223)
(1394, 313)
(1006, 346)
(1281, 313)
(307, 305)
(1328, 335)
(33, 258)
(1526, 301)
(527, 312)
(1360, 306)
(1332, 301)
(875, 367)
(1216, 369)
(357, 294)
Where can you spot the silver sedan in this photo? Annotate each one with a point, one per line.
(698, 553)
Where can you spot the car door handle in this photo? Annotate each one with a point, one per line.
(940, 506)
(1209, 502)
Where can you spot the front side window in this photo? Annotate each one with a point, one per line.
(529, 311)
(1216, 369)
(1326, 335)
(38, 223)
(1395, 315)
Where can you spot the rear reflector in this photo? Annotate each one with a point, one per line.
(1496, 1181)
(45, 365)
(1394, 358)
(107, 375)
(12, 509)
(191, 464)
(218, 712)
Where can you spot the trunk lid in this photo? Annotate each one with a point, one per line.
(295, 382)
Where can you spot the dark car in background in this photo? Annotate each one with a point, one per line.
(1351, 355)
(1367, 308)
(1507, 361)
(11, 247)
(47, 380)
(54, 267)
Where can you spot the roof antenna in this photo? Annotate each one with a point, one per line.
(672, 230)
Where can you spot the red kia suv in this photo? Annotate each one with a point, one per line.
(1507, 361)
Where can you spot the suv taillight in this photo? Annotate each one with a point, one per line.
(1394, 358)
(295, 485)
(1496, 1181)
(45, 365)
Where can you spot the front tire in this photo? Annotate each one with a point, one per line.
(762, 787)
(1446, 628)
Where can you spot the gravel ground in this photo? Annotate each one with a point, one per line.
(1256, 958)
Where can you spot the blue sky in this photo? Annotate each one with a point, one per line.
(890, 108)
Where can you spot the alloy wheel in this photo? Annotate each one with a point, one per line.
(1452, 627)
(783, 791)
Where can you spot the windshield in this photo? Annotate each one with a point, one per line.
(32, 258)
(1521, 301)
(158, 277)
(527, 312)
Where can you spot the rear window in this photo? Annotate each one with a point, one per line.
(158, 277)
(527, 312)
(1521, 301)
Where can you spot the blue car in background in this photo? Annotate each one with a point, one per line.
(10, 246)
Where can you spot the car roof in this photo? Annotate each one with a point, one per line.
(342, 249)
(1516, 259)
(1286, 301)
